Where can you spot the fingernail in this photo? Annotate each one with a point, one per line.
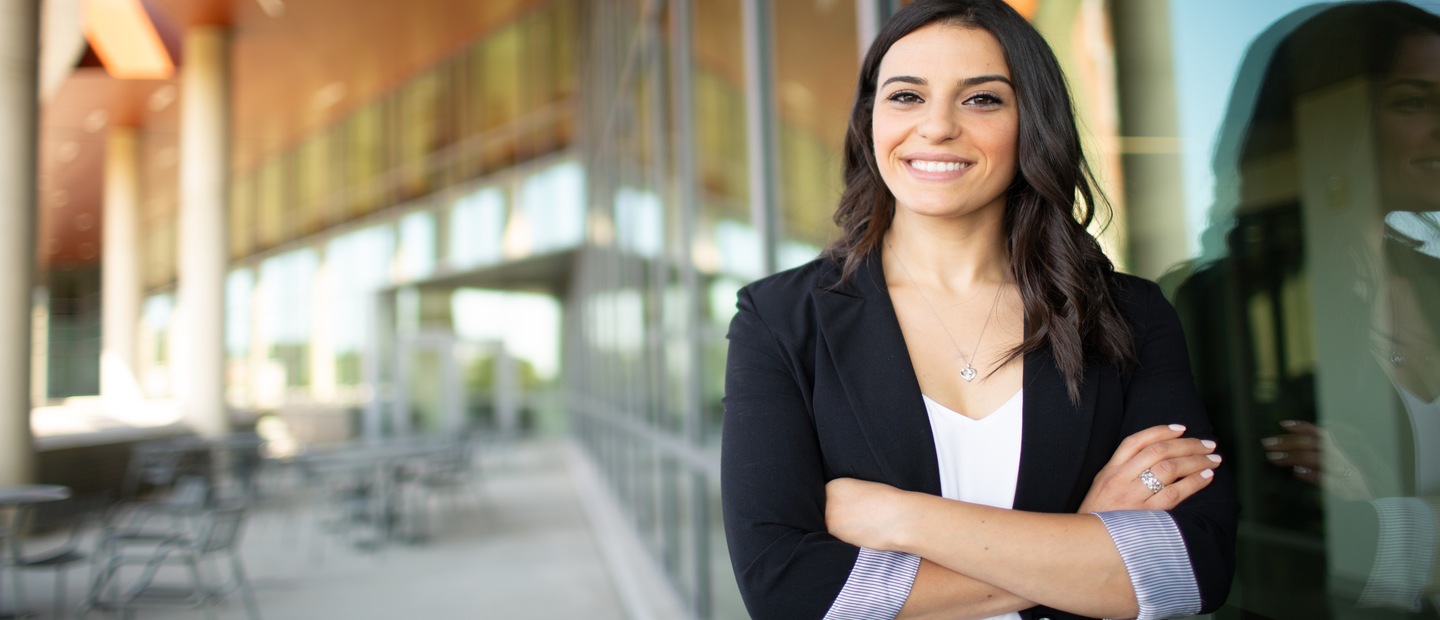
(1207, 473)
(1275, 456)
(1270, 441)
(1177, 427)
(1213, 457)
(1208, 444)
(1288, 423)
(1299, 469)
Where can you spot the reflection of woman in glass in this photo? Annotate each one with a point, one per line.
(1338, 189)
(923, 420)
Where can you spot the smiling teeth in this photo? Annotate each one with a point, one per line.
(936, 166)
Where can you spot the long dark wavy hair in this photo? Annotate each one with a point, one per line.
(1066, 282)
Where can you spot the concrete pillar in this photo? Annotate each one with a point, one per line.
(120, 282)
(1149, 143)
(19, 117)
(200, 288)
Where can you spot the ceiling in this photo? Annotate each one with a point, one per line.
(295, 66)
(299, 65)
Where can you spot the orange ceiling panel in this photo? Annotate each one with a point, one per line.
(122, 35)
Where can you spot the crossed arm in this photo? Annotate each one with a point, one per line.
(981, 561)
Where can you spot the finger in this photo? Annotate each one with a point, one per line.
(1307, 474)
(1182, 489)
(1174, 469)
(1161, 451)
(1300, 426)
(1293, 441)
(1133, 444)
(1303, 458)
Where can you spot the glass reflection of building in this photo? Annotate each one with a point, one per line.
(533, 215)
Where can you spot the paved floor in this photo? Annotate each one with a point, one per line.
(523, 549)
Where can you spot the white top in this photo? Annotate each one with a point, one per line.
(1425, 421)
(979, 459)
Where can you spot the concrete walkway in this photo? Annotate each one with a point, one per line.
(523, 549)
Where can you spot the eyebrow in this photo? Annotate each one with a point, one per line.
(967, 82)
(1416, 82)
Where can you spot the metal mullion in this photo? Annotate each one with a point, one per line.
(761, 127)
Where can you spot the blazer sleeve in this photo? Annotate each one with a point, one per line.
(1162, 391)
(772, 480)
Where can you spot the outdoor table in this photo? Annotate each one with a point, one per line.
(14, 501)
(378, 469)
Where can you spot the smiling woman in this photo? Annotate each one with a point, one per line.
(961, 409)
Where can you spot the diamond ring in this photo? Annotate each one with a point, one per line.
(1151, 482)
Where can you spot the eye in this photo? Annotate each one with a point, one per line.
(904, 97)
(1410, 103)
(985, 100)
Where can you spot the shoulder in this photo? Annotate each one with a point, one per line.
(788, 290)
(1136, 297)
(783, 303)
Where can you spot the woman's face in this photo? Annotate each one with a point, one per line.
(1408, 122)
(945, 123)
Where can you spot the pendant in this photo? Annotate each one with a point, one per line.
(967, 373)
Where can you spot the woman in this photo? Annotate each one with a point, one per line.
(966, 337)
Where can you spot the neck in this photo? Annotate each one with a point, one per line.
(948, 254)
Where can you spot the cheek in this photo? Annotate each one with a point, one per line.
(1397, 136)
(885, 135)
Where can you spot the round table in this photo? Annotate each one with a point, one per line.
(18, 498)
(24, 494)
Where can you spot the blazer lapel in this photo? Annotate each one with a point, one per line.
(1055, 435)
(859, 326)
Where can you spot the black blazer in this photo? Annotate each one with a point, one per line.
(819, 385)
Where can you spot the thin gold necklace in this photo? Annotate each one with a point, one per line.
(968, 373)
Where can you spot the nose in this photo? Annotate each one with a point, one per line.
(941, 123)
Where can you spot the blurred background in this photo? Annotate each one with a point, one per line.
(507, 234)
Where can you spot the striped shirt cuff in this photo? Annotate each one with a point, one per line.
(877, 587)
(1403, 556)
(1154, 554)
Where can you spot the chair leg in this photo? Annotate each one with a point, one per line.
(18, 583)
(60, 574)
(207, 595)
(252, 609)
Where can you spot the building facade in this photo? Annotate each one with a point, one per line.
(533, 216)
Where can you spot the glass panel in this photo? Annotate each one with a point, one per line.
(288, 283)
(272, 201)
(500, 61)
(1308, 285)
(420, 117)
(313, 182)
(553, 203)
(366, 149)
(242, 218)
(154, 345)
(239, 289)
(816, 62)
(417, 245)
(477, 227)
(360, 264)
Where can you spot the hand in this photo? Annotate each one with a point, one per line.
(1313, 456)
(863, 513)
(1183, 465)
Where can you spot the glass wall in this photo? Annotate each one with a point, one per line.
(1310, 290)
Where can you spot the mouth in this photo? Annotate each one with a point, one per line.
(938, 165)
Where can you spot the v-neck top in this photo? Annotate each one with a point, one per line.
(979, 459)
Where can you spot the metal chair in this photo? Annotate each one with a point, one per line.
(215, 541)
